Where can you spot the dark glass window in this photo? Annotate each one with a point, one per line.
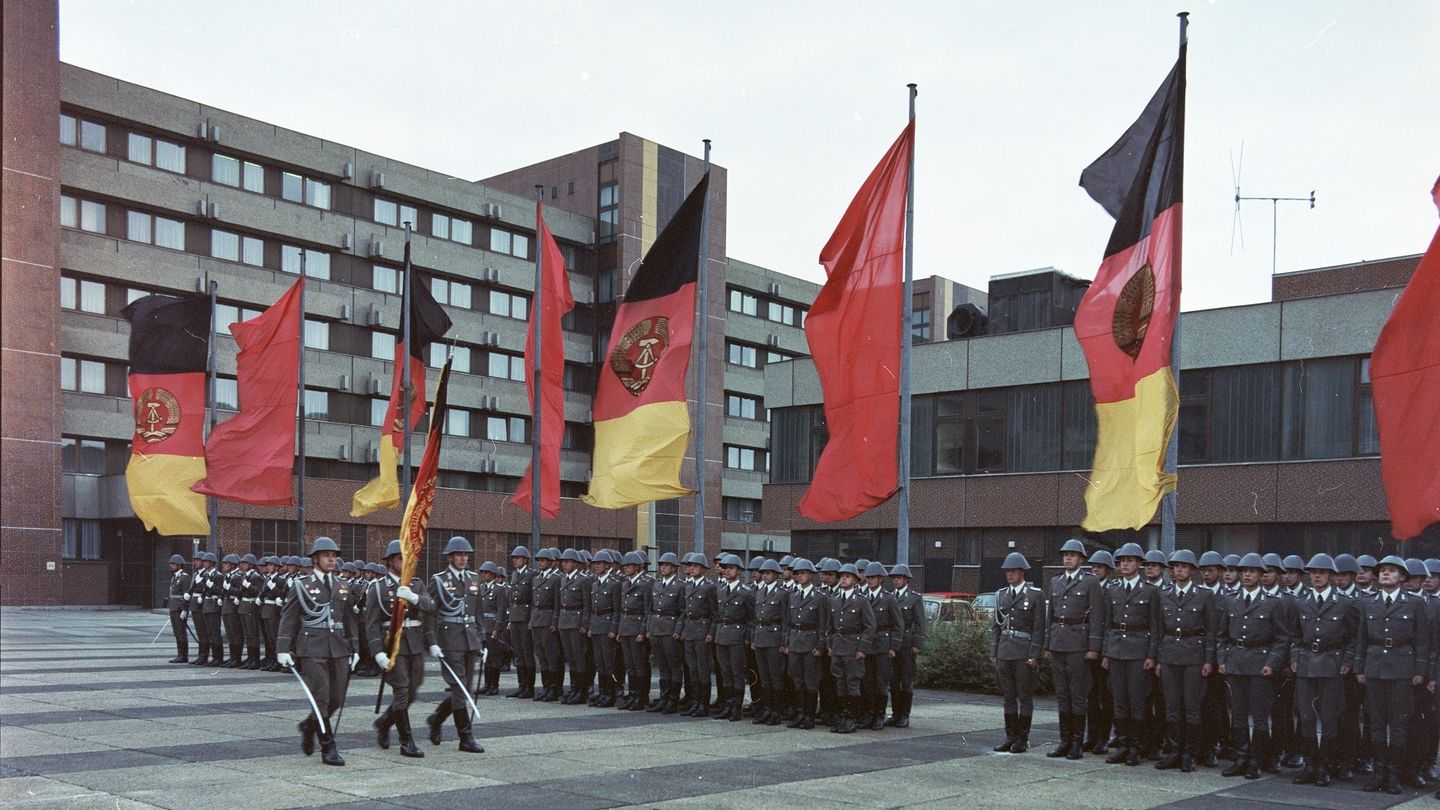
(1320, 405)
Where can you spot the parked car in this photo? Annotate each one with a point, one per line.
(984, 606)
(947, 607)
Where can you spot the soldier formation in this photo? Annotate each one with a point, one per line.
(1327, 666)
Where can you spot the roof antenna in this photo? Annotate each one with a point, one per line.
(1274, 211)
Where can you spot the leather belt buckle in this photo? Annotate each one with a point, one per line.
(1388, 643)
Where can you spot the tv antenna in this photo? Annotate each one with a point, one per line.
(1237, 226)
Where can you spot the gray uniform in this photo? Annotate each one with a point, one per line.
(544, 608)
(1255, 634)
(178, 601)
(772, 625)
(735, 610)
(318, 628)
(522, 642)
(698, 624)
(1191, 621)
(1132, 637)
(573, 618)
(454, 625)
(408, 670)
(664, 621)
(1017, 636)
(1077, 627)
(1393, 647)
(851, 630)
(635, 595)
(1328, 629)
(604, 623)
(879, 666)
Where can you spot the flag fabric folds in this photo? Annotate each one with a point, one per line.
(1126, 321)
(556, 301)
(1405, 383)
(854, 329)
(428, 323)
(250, 457)
(169, 352)
(417, 510)
(642, 424)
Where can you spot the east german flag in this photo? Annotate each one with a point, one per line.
(1126, 321)
(169, 350)
(642, 424)
(428, 323)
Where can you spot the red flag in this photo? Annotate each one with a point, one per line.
(556, 302)
(1405, 382)
(251, 456)
(854, 328)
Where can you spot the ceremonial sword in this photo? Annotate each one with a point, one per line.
(463, 686)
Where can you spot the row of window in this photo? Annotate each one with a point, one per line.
(751, 356)
(750, 459)
(744, 406)
(748, 303)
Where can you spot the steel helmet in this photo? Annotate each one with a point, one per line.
(233, 559)
(633, 558)
(570, 554)
(349, 566)
(1183, 555)
(391, 550)
(1015, 560)
(756, 562)
(849, 568)
(1130, 550)
(1395, 561)
(1366, 561)
(1232, 560)
(771, 565)
(900, 570)
(669, 558)
(1252, 560)
(546, 554)
(1346, 564)
(248, 558)
(831, 566)
(1102, 557)
(520, 551)
(731, 559)
(1074, 545)
(323, 544)
(458, 545)
(1293, 562)
(802, 564)
(1210, 558)
(1415, 567)
(1155, 556)
(787, 561)
(1273, 560)
(1321, 562)
(176, 559)
(874, 569)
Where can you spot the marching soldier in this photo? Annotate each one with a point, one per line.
(249, 610)
(453, 632)
(635, 594)
(772, 609)
(880, 656)
(604, 623)
(272, 591)
(735, 610)
(522, 643)
(1190, 620)
(663, 625)
(318, 627)
(572, 619)
(178, 601)
(698, 631)
(1016, 641)
(851, 627)
(807, 617)
(912, 641)
(1392, 657)
(408, 670)
(1099, 706)
(1132, 645)
(544, 633)
(1253, 646)
(1077, 630)
(1322, 653)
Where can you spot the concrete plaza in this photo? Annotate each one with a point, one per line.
(92, 716)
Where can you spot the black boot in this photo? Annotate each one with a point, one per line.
(807, 713)
(1189, 747)
(519, 686)
(1066, 744)
(407, 739)
(774, 716)
(307, 735)
(1377, 782)
(1121, 727)
(799, 721)
(1172, 759)
(1259, 750)
(1322, 771)
(877, 723)
(846, 724)
(1022, 735)
(654, 706)
(436, 722)
(382, 726)
(642, 696)
(328, 754)
(764, 712)
(468, 743)
(1011, 722)
(903, 721)
(1077, 736)
(672, 699)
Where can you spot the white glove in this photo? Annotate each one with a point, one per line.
(285, 660)
(184, 614)
(408, 595)
(435, 651)
(381, 660)
(354, 659)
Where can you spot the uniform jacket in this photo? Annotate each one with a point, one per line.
(199, 583)
(545, 599)
(1326, 635)
(1255, 635)
(230, 586)
(808, 621)
(1018, 630)
(735, 611)
(912, 610)
(454, 623)
(604, 605)
(1394, 638)
(380, 604)
(699, 610)
(521, 595)
(494, 606)
(574, 602)
(772, 616)
(250, 583)
(1132, 619)
(272, 592)
(179, 596)
(316, 621)
(1077, 614)
(214, 590)
(635, 605)
(889, 623)
(1191, 623)
(666, 615)
(852, 623)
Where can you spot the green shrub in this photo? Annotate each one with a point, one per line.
(957, 657)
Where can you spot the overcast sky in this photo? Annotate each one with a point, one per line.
(802, 98)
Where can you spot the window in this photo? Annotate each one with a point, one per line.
(137, 226)
(311, 192)
(741, 406)
(68, 127)
(81, 539)
(1367, 431)
(457, 422)
(139, 149)
(1319, 408)
(744, 458)
(85, 376)
(506, 366)
(155, 152)
(772, 356)
(741, 355)
(225, 170)
(254, 177)
(509, 305)
(227, 394)
(92, 136)
(499, 240)
(84, 456)
(382, 345)
(226, 314)
(462, 231)
(92, 216)
(317, 335)
(609, 202)
(780, 313)
(742, 510)
(949, 434)
(389, 212)
(69, 212)
(252, 251)
(515, 244)
(505, 429)
(520, 246)
(317, 263)
(460, 357)
(225, 245)
(169, 233)
(744, 303)
(385, 279)
(454, 293)
(920, 325)
(317, 403)
(85, 296)
(378, 409)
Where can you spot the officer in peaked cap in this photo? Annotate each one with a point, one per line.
(407, 672)
(1017, 637)
(1254, 645)
(807, 614)
(1132, 644)
(1190, 618)
(1392, 658)
(604, 623)
(522, 642)
(1074, 638)
(318, 637)
(454, 636)
(1327, 624)
(772, 602)
(178, 601)
(852, 631)
(912, 641)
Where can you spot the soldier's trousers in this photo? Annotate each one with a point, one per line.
(1318, 699)
(697, 664)
(1354, 725)
(269, 625)
(328, 678)
(1283, 711)
(1214, 710)
(573, 642)
(904, 678)
(212, 637)
(1389, 704)
(731, 658)
(522, 645)
(770, 667)
(1017, 686)
(1251, 697)
(805, 671)
(1072, 681)
(670, 658)
(1129, 686)
(1422, 715)
(234, 632)
(250, 626)
(405, 678)
(181, 633)
(636, 654)
(1183, 689)
(848, 672)
(1099, 706)
(202, 631)
(547, 650)
(603, 650)
(879, 669)
(464, 663)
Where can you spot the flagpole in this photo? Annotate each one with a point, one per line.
(537, 390)
(300, 440)
(1172, 450)
(702, 313)
(211, 507)
(907, 296)
(406, 386)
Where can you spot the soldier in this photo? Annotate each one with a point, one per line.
(522, 642)
(573, 601)
(544, 633)
(851, 631)
(880, 656)
(214, 596)
(1017, 639)
(663, 625)
(1418, 757)
(1392, 657)
(787, 571)
(407, 671)
(1132, 644)
(912, 640)
(234, 633)
(772, 609)
(1280, 577)
(178, 601)
(828, 571)
(1365, 580)
(807, 614)
(195, 606)
(453, 634)
(751, 579)
(317, 625)
(1154, 568)
(272, 591)
(1152, 726)
(249, 610)
(1077, 630)
(734, 613)
(635, 595)
(1099, 705)
(1190, 619)
(1431, 591)
(1231, 576)
(490, 605)
(1323, 651)
(1214, 720)
(601, 632)
(698, 631)
(1254, 644)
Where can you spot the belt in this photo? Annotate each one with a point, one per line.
(770, 625)
(413, 623)
(1190, 632)
(1387, 643)
(1129, 628)
(668, 615)
(490, 615)
(1317, 647)
(249, 599)
(732, 624)
(1015, 634)
(1066, 620)
(697, 616)
(1252, 643)
(807, 627)
(634, 612)
(608, 612)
